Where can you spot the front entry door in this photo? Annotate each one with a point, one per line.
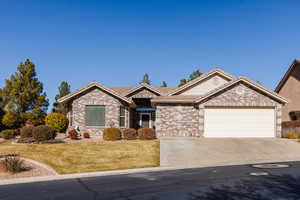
(145, 120)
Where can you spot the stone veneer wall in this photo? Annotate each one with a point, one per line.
(96, 96)
(142, 93)
(243, 96)
(177, 120)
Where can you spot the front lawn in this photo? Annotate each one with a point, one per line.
(89, 156)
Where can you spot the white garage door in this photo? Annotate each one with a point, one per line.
(239, 122)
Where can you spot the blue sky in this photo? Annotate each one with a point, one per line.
(116, 42)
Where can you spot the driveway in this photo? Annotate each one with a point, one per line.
(206, 152)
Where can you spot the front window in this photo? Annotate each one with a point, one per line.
(94, 115)
(122, 117)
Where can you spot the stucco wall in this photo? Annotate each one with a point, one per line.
(241, 95)
(96, 96)
(205, 86)
(177, 120)
(291, 91)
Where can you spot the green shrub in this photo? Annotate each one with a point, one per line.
(12, 163)
(58, 121)
(43, 133)
(292, 135)
(8, 134)
(10, 119)
(146, 134)
(73, 134)
(130, 134)
(111, 134)
(26, 131)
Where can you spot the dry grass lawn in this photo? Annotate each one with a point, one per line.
(89, 156)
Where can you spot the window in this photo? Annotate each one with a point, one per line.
(95, 115)
(122, 117)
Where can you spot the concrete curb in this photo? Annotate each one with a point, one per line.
(83, 175)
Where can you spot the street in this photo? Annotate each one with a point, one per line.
(177, 184)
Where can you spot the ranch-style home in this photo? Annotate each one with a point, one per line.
(215, 104)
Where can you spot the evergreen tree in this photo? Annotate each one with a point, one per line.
(23, 96)
(63, 90)
(164, 84)
(195, 74)
(1, 111)
(146, 79)
(192, 76)
(182, 82)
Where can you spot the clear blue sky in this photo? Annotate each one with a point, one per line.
(116, 42)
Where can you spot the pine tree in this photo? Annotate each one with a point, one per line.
(146, 79)
(182, 82)
(63, 90)
(164, 84)
(192, 76)
(23, 95)
(195, 74)
(1, 110)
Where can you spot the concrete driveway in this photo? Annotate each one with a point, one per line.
(207, 152)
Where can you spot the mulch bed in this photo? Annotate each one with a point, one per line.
(31, 170)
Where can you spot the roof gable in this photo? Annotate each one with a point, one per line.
(246, 81)
(140, 87)
(292, 67)
(89, 86)
(201, 79)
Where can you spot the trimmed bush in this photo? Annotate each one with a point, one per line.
(130, 134)
(146, 134)
(111, 134)
(58, 121)
(73, 134)
(8, 134)
(26, 131)
(86, 135)
(43, 133)
(292, 135)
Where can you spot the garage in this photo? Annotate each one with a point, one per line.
(243, 122)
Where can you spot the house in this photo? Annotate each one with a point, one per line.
(289, 87)
(215, 104)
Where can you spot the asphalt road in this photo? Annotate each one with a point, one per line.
(176, 184)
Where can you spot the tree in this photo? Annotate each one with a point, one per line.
(2, 112)
(195, 74)
(23, 96)
(146, 79)
(164, 84)
(182, 82)
(63, 90)
(192, 76)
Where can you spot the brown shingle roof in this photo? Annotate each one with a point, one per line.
(163, 90)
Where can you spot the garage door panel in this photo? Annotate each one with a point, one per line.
(239, 122)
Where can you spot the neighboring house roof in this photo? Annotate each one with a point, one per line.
(140, 86)
(201, 78)
(287, 74)
(90, 85)
(248, 82)
(175, 99)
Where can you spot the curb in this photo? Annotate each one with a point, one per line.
(83, 175)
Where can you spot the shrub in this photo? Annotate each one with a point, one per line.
(130, 134)
(12, 163)
(26, 131)
(43, 133)
(10, 119)
(86, 135)
(292, 135)
(58, 121)
(73, 134)
(8, 134)
(112, 134)
(146, 134)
